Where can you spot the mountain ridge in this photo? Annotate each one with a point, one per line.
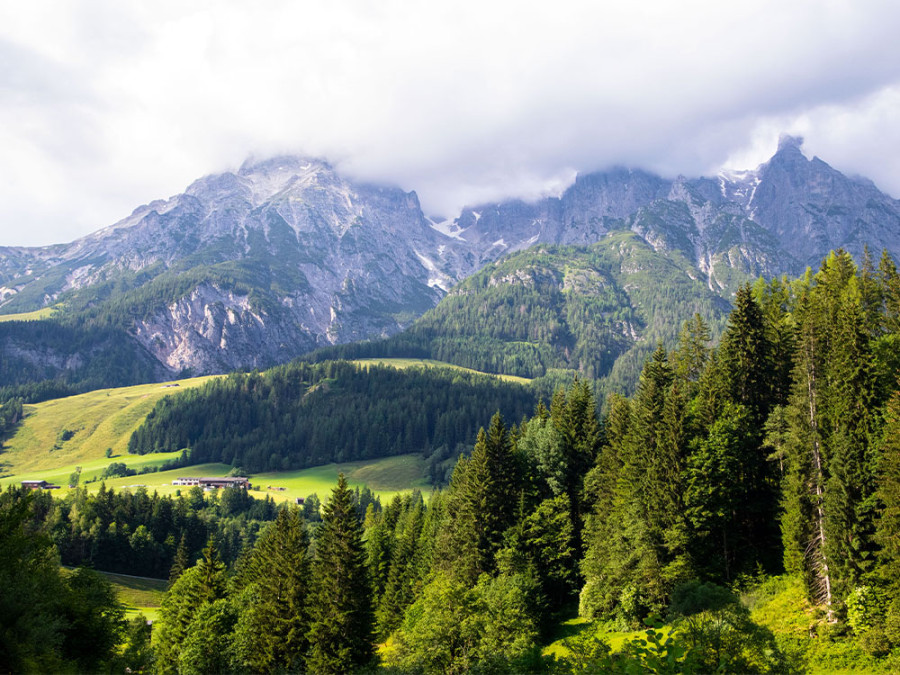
(251, 268)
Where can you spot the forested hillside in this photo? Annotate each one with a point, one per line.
(302, 415)
(595, 311)
(768, 462)
(771, 453)
(50, 358)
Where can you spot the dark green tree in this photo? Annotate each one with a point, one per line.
(481, 503)
(692, 353)
(197, 587)
(181, 561)
(341, 632)
(637, 536)
(274, 620)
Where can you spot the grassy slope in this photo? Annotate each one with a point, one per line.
(106, 419)
(431, 363)
(139, 595)
(99, 419)
(36, 315)
(92, 469)
(779, 604)
(571, 628)
(386, 477)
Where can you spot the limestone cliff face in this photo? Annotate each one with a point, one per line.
(781, 217)
(250, 268)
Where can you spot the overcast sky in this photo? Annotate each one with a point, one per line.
(108, 105)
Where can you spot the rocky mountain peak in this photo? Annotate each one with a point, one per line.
(254, 266)
(789, 144)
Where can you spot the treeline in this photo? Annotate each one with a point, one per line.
(50, 620)
(473, 578)
(140, 533)
(302, 415)
(473, 581)
(10, 416)
(48, 358)
(577, 309)
(776, 451)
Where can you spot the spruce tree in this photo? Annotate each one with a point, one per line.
(181, 561)
(888, 524)
(481, 503)
(803, 495)
(341, 638)
(850, 492)
(746, 357)
(575, 417)
(402, 582)
(692, 353)
(889, 281)
(830, 456)
(275, 618)
(636, 543)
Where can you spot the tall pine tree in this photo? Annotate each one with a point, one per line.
(340, 636)
(272, 629)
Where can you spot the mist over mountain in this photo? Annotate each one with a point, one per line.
(283, 256)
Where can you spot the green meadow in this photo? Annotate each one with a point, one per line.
(778, 604)
(139, 595)
(386, 477)
(36, 315)
(58, 436)
(430, 363)
(76, 430)
(92, 469)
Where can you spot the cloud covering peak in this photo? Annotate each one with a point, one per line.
(104, 105)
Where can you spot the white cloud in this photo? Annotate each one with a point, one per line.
(106, 105)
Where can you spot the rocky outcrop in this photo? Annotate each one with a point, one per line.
(250, 268)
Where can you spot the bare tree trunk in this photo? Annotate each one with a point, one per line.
(818, 547)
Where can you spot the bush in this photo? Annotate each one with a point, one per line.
(865, 609)
(694, 597)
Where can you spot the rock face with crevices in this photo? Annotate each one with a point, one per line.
(779, 218)
(250, 268)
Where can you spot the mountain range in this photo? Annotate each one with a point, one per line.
(250, 268)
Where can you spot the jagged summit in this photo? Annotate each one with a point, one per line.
(251, 267)
(787, 143)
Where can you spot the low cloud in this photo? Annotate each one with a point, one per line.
(107, 105)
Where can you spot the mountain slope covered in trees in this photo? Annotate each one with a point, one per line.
(594, 311)
(772, 454)
(302, 415)
(251, 268)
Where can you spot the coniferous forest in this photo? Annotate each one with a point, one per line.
(302, 415)
(772, 458)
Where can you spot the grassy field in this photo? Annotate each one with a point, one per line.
(429, 363)
(778, 604)
(573, 627)
(386, 477)
(140, 595)
(36, 315)
(77, 430)
(92, 469)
